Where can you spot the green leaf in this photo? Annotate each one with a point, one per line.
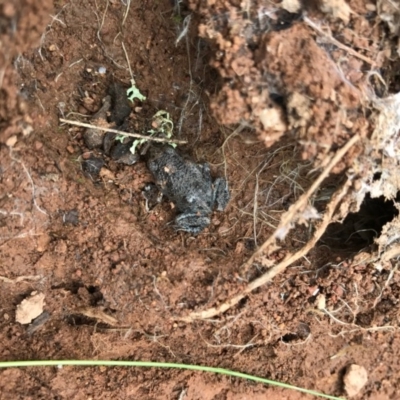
(134, 93)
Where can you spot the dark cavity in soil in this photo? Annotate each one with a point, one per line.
(360, 229)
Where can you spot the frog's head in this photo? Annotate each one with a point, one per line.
(192, 222)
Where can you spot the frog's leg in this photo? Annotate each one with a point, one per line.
(191, 222)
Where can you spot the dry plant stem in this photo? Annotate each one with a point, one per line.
(301, 203)
(289, 259)
(392, 272)
(128, 6)
(22, 278)
(135, 135)
(337, 43)
(127, 60)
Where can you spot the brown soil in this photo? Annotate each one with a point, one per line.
(116, 277)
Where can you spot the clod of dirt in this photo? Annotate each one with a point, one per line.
(114, 112)
(121, 153)
(108, 142)
(272, 121)
(11, 141)
(94, 137)
(120, 108)
(30, 308)
(336, 8)
(389, 12)
(71, 217)
(355, 379)
(92, 166)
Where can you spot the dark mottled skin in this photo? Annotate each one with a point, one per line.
(189, 186)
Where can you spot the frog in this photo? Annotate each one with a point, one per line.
(189, 186)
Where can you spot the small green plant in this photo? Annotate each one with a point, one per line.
(162, 125)
(134, 93)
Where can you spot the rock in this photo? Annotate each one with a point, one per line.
(92, 166)
(120, 107)
(43, 242)
(71, 217)
(30, 308)
(11, 141)
(355, 379)
(293, 6)
(94, 137)
(108, 142)
(121, 153)
(337, 9)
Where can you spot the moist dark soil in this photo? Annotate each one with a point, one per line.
(116, 276)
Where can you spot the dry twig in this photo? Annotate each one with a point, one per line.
(286, 219)
(277, 269)
(135, 135)
(22, 278)
(300, 204)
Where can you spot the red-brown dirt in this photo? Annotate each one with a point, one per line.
(116, 277)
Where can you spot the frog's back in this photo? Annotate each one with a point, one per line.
(181, 181)
(188, 188)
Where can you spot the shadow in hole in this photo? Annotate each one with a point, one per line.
(360, 229)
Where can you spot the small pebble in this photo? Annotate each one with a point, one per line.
(11, 141)
(71, 217)
(92, 166)
(8, 10)
(355, 379)
(38, 145)
(321, 302)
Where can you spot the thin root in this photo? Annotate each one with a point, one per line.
(286, 219)
(338, 44)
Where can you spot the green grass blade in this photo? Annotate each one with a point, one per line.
(151, 364)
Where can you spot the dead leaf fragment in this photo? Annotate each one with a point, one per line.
(30, 308)
(355, 379)
(97, 313)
